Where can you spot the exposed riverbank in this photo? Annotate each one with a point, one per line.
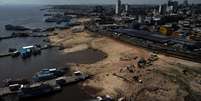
(167, 79)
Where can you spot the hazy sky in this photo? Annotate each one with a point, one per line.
(87, 1)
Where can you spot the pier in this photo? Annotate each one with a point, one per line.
(68, 80)
(4, 92)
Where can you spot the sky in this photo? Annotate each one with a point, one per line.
(88, 1)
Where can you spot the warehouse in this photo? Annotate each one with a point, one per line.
(151, 36)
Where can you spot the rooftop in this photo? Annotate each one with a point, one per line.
(152, 36)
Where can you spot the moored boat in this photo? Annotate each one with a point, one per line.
(35, 90)
(47, 74)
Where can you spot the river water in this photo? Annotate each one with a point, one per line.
(14, 68)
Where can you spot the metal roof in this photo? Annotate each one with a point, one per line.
(152, 36)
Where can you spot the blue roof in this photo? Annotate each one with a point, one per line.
(24, 50)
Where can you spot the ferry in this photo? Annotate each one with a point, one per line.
(47, 74)
(27, 51)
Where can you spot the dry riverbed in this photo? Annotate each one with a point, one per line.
(118, 75)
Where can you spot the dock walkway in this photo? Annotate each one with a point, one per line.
(53, 83)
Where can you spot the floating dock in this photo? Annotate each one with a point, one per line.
(68, 80)
(53, 83)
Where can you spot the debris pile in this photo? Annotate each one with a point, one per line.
(145, 63)
(128, 57)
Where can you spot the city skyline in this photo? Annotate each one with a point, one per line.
(89, 1)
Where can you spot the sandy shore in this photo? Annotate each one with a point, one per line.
(167, 79)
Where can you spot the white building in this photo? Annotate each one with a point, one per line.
(126, 8)
(118, 7)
